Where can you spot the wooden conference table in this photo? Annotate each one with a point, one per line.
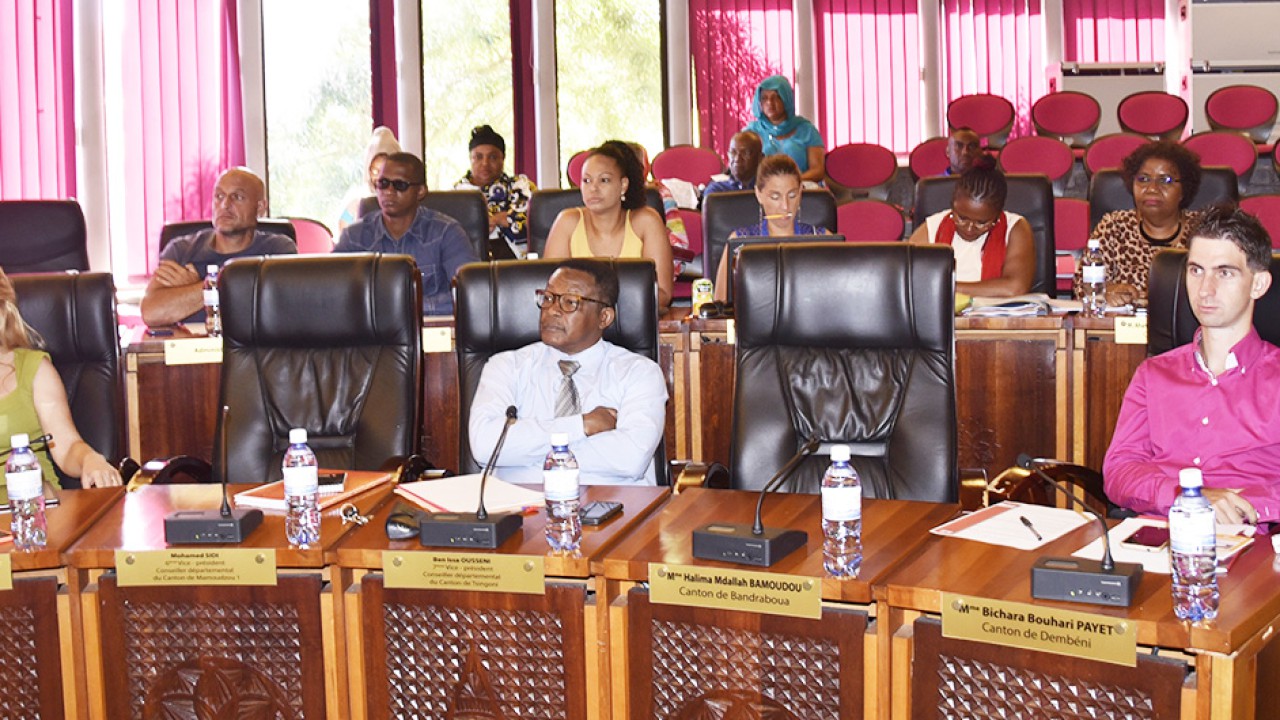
(1049, 387)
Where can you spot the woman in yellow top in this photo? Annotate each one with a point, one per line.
(33, 401)
(614, 222)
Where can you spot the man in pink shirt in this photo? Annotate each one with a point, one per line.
(1215, 402)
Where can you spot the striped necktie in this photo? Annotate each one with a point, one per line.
(567, 402)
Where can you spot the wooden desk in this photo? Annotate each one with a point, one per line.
(1100, 374)
(217, 648)
(505, 654)
(1225, 656)
(665, 657)
(39, 619)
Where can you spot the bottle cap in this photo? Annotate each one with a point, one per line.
(1094, 243)
(839, 453)
(19, 441)
(1190, 478)
(559, 439)
(298, 436)
(210, 269)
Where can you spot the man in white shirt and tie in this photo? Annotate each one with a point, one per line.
(610, 401)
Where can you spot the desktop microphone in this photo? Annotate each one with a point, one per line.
(1078, 579)
(754, 544)
(224, 525)
(478, 529)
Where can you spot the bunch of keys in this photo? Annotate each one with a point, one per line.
(351, 514)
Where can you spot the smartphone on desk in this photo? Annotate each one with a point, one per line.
(1148, 538)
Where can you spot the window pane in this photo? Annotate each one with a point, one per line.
(466, 71)
(319, 101)
(608, 57)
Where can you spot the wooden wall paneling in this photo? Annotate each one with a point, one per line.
(172, 407)
(467, 654)
(440, 409)
(675, 369)
(1101, 374)
(711, 377)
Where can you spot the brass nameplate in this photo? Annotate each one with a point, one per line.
(1131, 330)
(477, 572)
(1061, 632)
(224, 566)
(6, 572)
(745, 590)
(193, 351)
(437, 339)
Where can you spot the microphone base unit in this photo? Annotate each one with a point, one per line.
(727, 542)
(464, 530)
(1084, 581)
(207, 527)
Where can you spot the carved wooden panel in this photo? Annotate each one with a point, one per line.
(456, 655)
(965, 679)
(695, 663)
(203, 653)
(31, 679)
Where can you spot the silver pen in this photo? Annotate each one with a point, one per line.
(1026, 521)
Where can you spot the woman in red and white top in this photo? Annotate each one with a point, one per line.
(995, 254)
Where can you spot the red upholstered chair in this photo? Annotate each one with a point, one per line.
(929, 158)
(1109, 151)
(313, 236)
(1243, 108)
(1158, 115)
(1267, 209)
(1039, 155)
(864, 168)
(1070, 233)
(1070, 116)
(1226, 149)
(573, 170)
(692, 269)
(991, 116)
(685, 162)
(870, 221)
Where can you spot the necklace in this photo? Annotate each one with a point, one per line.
(1142, 228)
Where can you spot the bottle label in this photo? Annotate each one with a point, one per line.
(1191, 532)
(840, 504)
(1092, 274)
(24, 485)
(560, 484)
(301, 480)
(211, 298)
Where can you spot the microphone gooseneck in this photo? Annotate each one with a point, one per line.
(225, 510)
(481, 513)
(805, 450)
(1028, 463)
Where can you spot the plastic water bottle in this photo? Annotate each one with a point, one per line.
(560, 485)
(25, 483)
(841, 516)
(1193, 550)
(1093, 280)
(212, 311)
(301, 490)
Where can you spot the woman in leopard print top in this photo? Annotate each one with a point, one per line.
(1163, 177)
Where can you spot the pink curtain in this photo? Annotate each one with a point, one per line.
(993, 46)
(183, 126)
(1113, 31)
(736, 44)
(868, 72)
(37, 103)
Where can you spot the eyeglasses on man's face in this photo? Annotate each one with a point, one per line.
(399, 185)
(1161, 181)
(568, 302)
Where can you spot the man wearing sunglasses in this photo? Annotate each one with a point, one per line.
(402, 226)
(175, 292)
(611, 401)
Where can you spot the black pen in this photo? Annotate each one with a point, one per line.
(1031, 527)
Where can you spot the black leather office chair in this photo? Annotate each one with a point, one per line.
(1109, 192)
(471, 211)
(722, 213)
(75, 313)
(186, 227)
(855, 344)
(1030, 196)
(545, 206)
(332, 344)
(42, 236)
(496, 312)
(1170, 322)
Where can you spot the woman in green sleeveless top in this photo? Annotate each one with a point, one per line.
(33, 401)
